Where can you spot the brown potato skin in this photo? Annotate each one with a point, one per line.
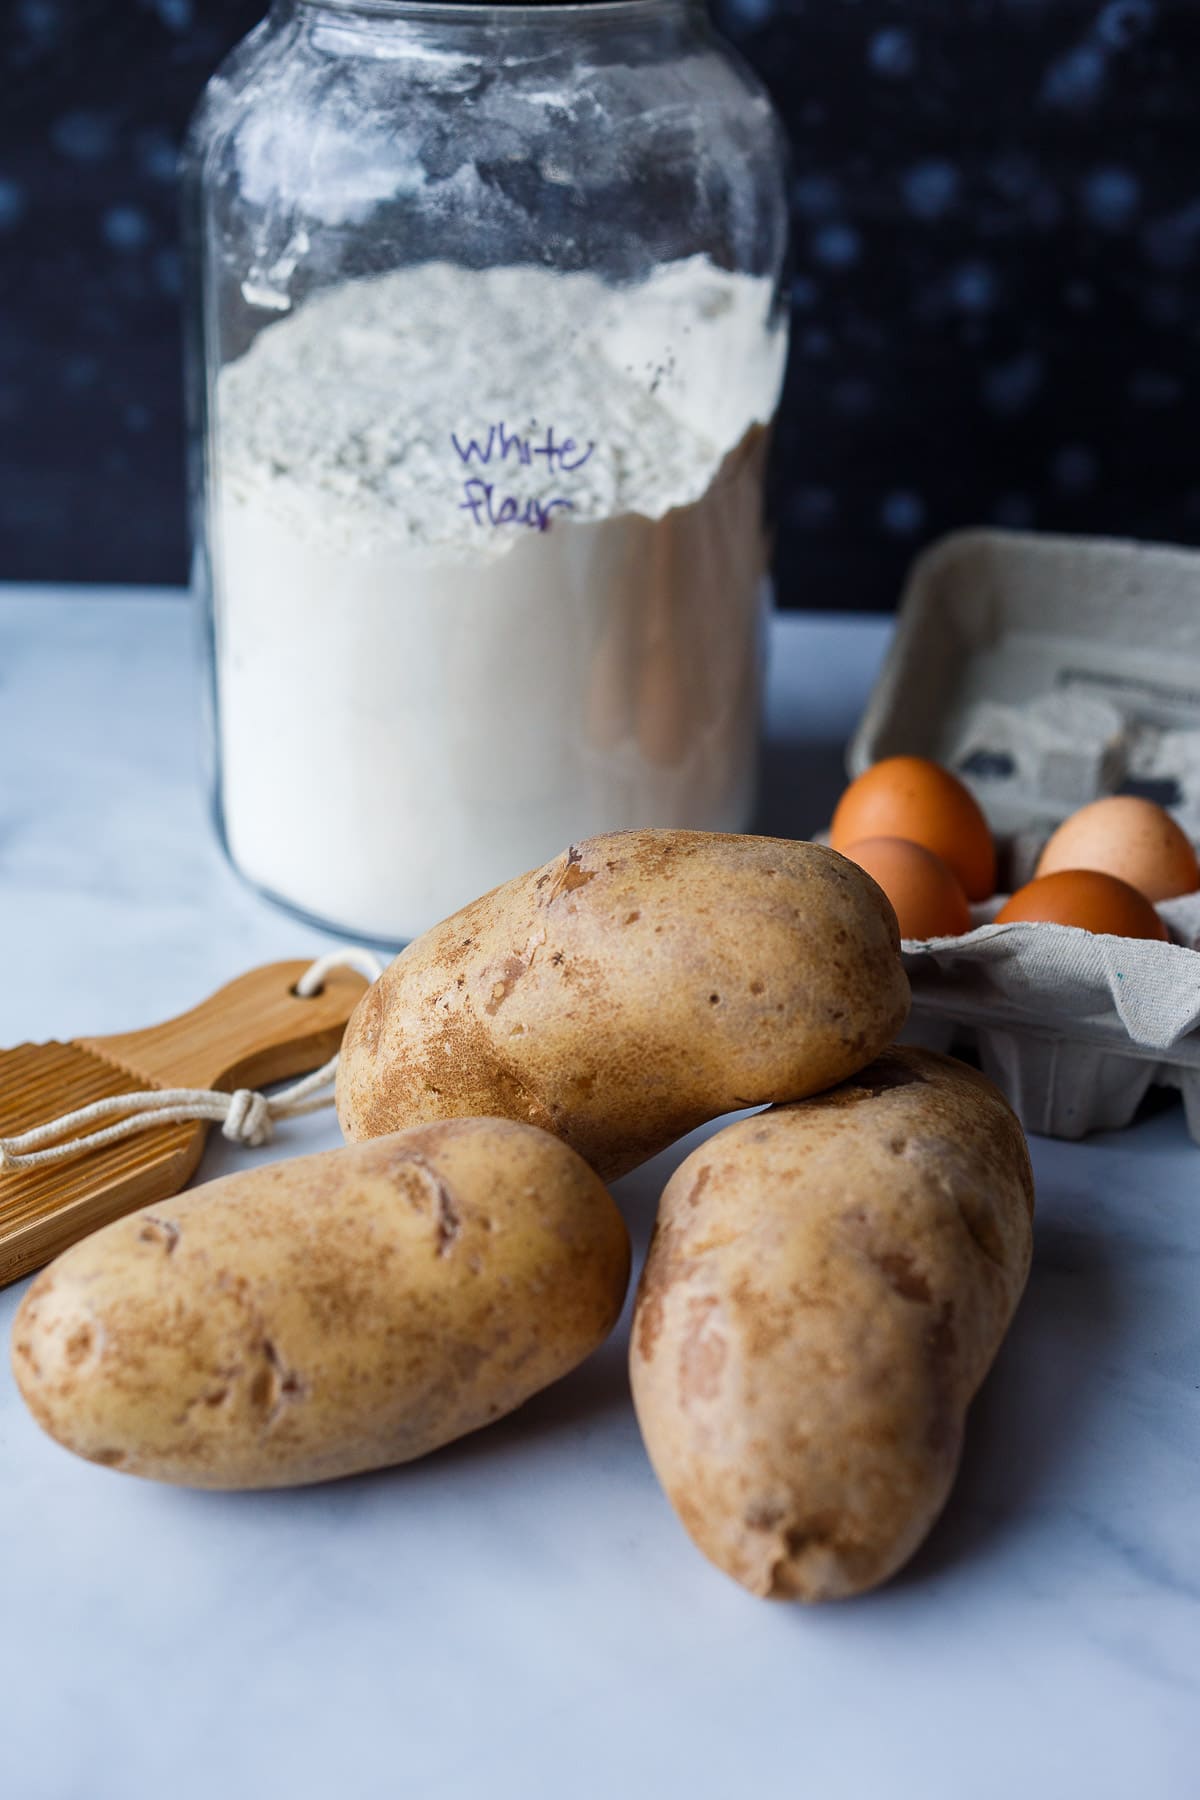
(634, 987)
(827, 1286)
(335, 1313)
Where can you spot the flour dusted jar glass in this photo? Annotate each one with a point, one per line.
(487, 336)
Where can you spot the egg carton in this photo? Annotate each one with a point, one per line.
(1046, 672)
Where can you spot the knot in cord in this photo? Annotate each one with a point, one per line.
(248, 1120)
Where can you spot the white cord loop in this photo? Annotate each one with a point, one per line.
(245, 1116)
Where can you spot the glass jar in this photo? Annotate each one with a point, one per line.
(487, 334)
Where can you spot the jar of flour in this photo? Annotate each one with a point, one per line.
(487, 337)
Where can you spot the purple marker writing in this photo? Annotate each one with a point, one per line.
(487, 507)
(501, 444)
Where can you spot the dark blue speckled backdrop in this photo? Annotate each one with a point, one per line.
(996, 298)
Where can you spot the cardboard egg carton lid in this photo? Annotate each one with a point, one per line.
(1047, 671)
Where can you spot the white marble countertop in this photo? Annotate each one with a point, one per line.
(521, 1615)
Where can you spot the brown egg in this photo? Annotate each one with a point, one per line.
(908, 797)
(927, 897)
(1087, 898)
(1132, 839)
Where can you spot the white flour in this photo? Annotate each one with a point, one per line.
(487, 559)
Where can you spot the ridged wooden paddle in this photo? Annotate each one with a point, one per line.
(250, 1033)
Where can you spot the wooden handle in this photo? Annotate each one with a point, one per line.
(251, 1032)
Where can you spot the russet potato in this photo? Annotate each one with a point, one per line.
(335, 1313)
(636, 986)
(827, 1286)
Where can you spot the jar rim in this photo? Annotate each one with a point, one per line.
(526, 10)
